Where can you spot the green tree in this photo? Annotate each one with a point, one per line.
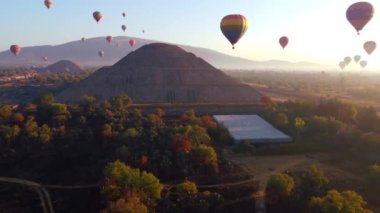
(120, 103)
(187, 188)
(299, 124)
(335, 202)
(5, 113)
(45, 134)
(122, 181)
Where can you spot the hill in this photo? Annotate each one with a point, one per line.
(63, 66)
(162, 73)
(86, 54)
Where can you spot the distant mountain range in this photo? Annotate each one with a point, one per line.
(86, 54)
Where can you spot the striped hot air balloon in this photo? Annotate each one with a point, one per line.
(233, 27)
(97, 16)
(359, 14)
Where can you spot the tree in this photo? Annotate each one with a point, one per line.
(186, 188)
(107, 131)
(205, 159)
(133, 205)
(120, 103)
(45, 134)
(299, 124)
(182, 143)
(87, 103)
(335, 202)
(45, 99)
(373, 177)
(17, 118)
(312, 182)
(280, 185)
(122, 181)
(281, 120)
(5, 113)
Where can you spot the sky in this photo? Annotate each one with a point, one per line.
(317, 29)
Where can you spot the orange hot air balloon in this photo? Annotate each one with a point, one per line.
(132, 42)
(97, 16)
(48, 3)
(233, 27)
(369, 47)
(359, 14)
(109, 39)
(15, 49)
(284, 41)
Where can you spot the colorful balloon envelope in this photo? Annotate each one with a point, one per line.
(45, 58)
(369, 47)
(109, 39)
(284, 41)
(363, 64)
(347, 60)
(359, 14)
(15, 49)
(48, 3)
(123, 27)
(357, 58)
(342, 65)
(233, 27)
(97, 16)
(132, 42)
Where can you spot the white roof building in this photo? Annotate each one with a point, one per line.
(252, 128)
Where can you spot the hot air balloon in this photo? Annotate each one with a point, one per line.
(97, 16)
(357, 58)
(347, 60)
(359, 14)
(45, 58)
(369, 46)
(109, 39)
(342, 65)
(123, 14)
(15, 49)
(83, 39)
(123, 27)
(363, 64)
(48, 3)
(284, 41)
(233, 27)
(132, 42)
(101, 53)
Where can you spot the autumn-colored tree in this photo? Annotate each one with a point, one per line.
(122, 181)
(45, 134)
(107, 131)
(132, 205)
(87, 103)
(208, 122)
(313, 181)
(17, 118)
(5, 113)
(335, 202)
(186, 188)
(182, 143)
(205, 159)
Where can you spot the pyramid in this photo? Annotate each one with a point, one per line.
(162, 73)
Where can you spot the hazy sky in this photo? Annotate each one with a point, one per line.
(317, 29)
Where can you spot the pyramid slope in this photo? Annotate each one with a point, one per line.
(162, 73)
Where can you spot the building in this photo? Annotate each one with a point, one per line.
(252, 128)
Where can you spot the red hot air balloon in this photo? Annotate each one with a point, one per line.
(369, 46)
(109, 39)
(48, 3)
(45, 58)
(284, 41)
(97, 16)
(15, 49)
(132, 42)
(359, 14)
